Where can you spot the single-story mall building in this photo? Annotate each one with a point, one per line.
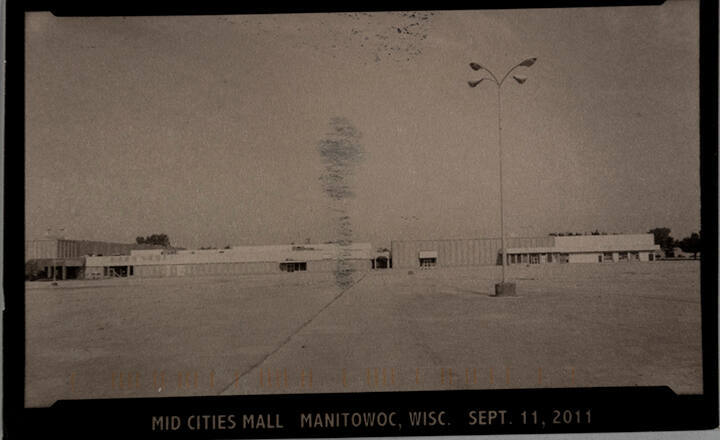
(539, 250)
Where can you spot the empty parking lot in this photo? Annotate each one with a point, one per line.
(570, 325)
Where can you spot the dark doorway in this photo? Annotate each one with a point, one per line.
(382, 263)
(293, 267)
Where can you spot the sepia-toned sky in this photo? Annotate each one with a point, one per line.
(207, 128)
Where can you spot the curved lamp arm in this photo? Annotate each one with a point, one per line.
(525, 63)
(476, 66)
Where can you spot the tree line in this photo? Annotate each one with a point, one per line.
(691, 244)
(154, 239)
(573, 234)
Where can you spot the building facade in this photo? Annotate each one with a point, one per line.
(539, 250)
(409, 254)
(61, 259)
(49, 248)
(588, 249)
(235, 260)
(75, 259)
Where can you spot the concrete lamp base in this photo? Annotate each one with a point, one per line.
(505, 289)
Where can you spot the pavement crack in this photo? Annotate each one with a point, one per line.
(292, 334)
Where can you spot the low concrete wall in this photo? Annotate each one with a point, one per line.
(590, 257)
(191, 270)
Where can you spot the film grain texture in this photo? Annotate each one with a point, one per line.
(357, 202)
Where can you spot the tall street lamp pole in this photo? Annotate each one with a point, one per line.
(503, 287)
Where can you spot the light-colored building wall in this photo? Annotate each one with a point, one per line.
(236, 260)
(180, 270)
(332, 265)
(679, 253)
(586, 257)
(458, 252)
(585, 243)
(93, 273)
(590, 249)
